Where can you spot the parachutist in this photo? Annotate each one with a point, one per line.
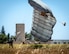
(64, 23)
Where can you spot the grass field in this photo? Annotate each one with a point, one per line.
(26, 49)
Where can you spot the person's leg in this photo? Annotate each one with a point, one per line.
(12, 45)
(9, 45)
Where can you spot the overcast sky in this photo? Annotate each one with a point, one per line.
(19, 11)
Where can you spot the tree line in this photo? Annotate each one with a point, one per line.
(4, 38)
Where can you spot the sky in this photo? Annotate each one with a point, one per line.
(19, 11)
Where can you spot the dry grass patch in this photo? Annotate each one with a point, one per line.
(38, 49)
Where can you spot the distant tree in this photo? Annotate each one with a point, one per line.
(3, 30)
(28, 35)
(8, 36)
(3, 38)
